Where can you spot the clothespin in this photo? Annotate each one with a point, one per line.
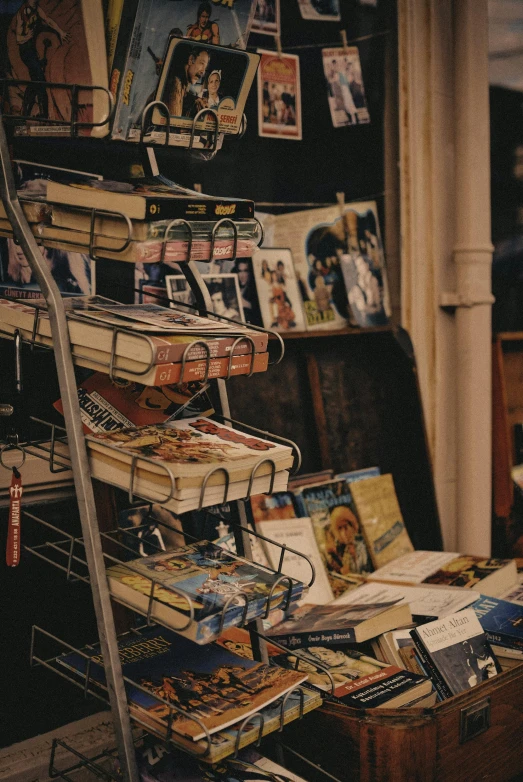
(277, 40)
(343, 35)
(340, 198)
(197, 187)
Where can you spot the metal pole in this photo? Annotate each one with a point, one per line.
(79, 462)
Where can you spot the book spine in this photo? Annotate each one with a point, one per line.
(192, 209)
(127, 54)
(503, 639)
(167, 374)
(301, 640)
(112, 26)
(300, 504)
(219, 348)
(427, 665)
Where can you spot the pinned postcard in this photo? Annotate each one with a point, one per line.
(267, 17)
(346, 94)
(279, 96)
(320, 10)
(278, 291)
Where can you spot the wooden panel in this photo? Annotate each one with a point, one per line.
(503, 491)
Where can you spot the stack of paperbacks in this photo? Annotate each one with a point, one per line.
(152, 341)
(190, 463)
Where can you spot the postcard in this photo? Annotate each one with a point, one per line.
(346, 94)
(198, 76)
(267, 17)
(320, 10)
(224, 291)
(279, 96)
(278, 290)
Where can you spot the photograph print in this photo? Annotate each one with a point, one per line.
(278, 290)
(267, 17)
(466, 663)
(320, 10)
(279, 96)
(345, 91)
(223, 289)
(198, 76)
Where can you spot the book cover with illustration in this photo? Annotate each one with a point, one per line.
(502, 621)
(268, 507)
(207, 578)
(339, 263)
(336, 526)
(206, 682)
(56, 42)
(381, 520)
(456, 652)
(339, 624)
(134, 80)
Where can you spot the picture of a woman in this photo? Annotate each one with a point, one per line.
(211, 93)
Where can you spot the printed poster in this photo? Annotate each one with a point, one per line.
(278, 291)
(267, 17)
(279, 96)
(320, 10)
(345, 90)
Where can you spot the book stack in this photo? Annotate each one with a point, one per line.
(148, 344)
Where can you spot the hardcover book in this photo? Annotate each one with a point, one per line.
(455, 651)
(214, 582)
(56, 42)
(448, 569)
(502, 621)
(327, 625)
(206, 682)
(380, 518)
(336, 526)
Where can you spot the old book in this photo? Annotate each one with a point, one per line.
(208, 683)
(424, 602)
(327, 625)
(448, 569)
(398, 648)
(71, 52)
(336, 526)
(202, 578)
(380, 518)
(456, 652)
(269, 507)
(502, 621)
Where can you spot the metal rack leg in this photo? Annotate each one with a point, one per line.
(79, 461)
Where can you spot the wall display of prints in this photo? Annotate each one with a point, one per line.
(223, 289)
(321, 10)
(278, 291)
(267, 17)
(345, 91)
(340, 269)
(279, 95)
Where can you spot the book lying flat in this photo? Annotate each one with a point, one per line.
(502, 621)
(208, 683)
(455, 652)
(449, 569)
(216, 583)
(335, 624)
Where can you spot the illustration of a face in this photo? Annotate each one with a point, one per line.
(243, 273)
(213, 84)
(203, 20)
(343, 524)
(197, 66)
(328, 656)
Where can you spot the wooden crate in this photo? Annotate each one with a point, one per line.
(474, 736)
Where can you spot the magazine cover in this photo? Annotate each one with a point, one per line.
(278, 290)
(339, 263)
(346, 94)
(267, 17)
(279, 95)
(226, 24)
(320, 10)
(196, 76)
(59, 41)
(224, 291)
(207, 682)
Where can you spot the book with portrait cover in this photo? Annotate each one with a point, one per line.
(144, 41)
(336, 526)
(381, 520)
(502, 621)
(56, 42)
(456, 652)
(327, 625)
(207, 577)
(207, 682)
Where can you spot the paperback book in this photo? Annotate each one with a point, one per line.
(200, 589)
(208, 683)
(502, 621)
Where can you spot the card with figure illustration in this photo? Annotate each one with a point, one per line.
(279, 95)
(345, 90)
(224, 291)
(278, 290)
(267, 17)
(197, 76)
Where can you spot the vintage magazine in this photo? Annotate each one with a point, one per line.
(60, 41)
(279, 295)
(346, 93)
(279, 96)
(146, 40)
(267, 17)
(223, 289)
(197, 76)
(320, 10)
(338, 258)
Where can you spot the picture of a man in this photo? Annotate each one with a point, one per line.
(204, 29)
(177, 94)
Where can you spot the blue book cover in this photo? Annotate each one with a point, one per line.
(336, 526)
(359, 475)
(214, 580)
(501, 620)
(209, 682)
